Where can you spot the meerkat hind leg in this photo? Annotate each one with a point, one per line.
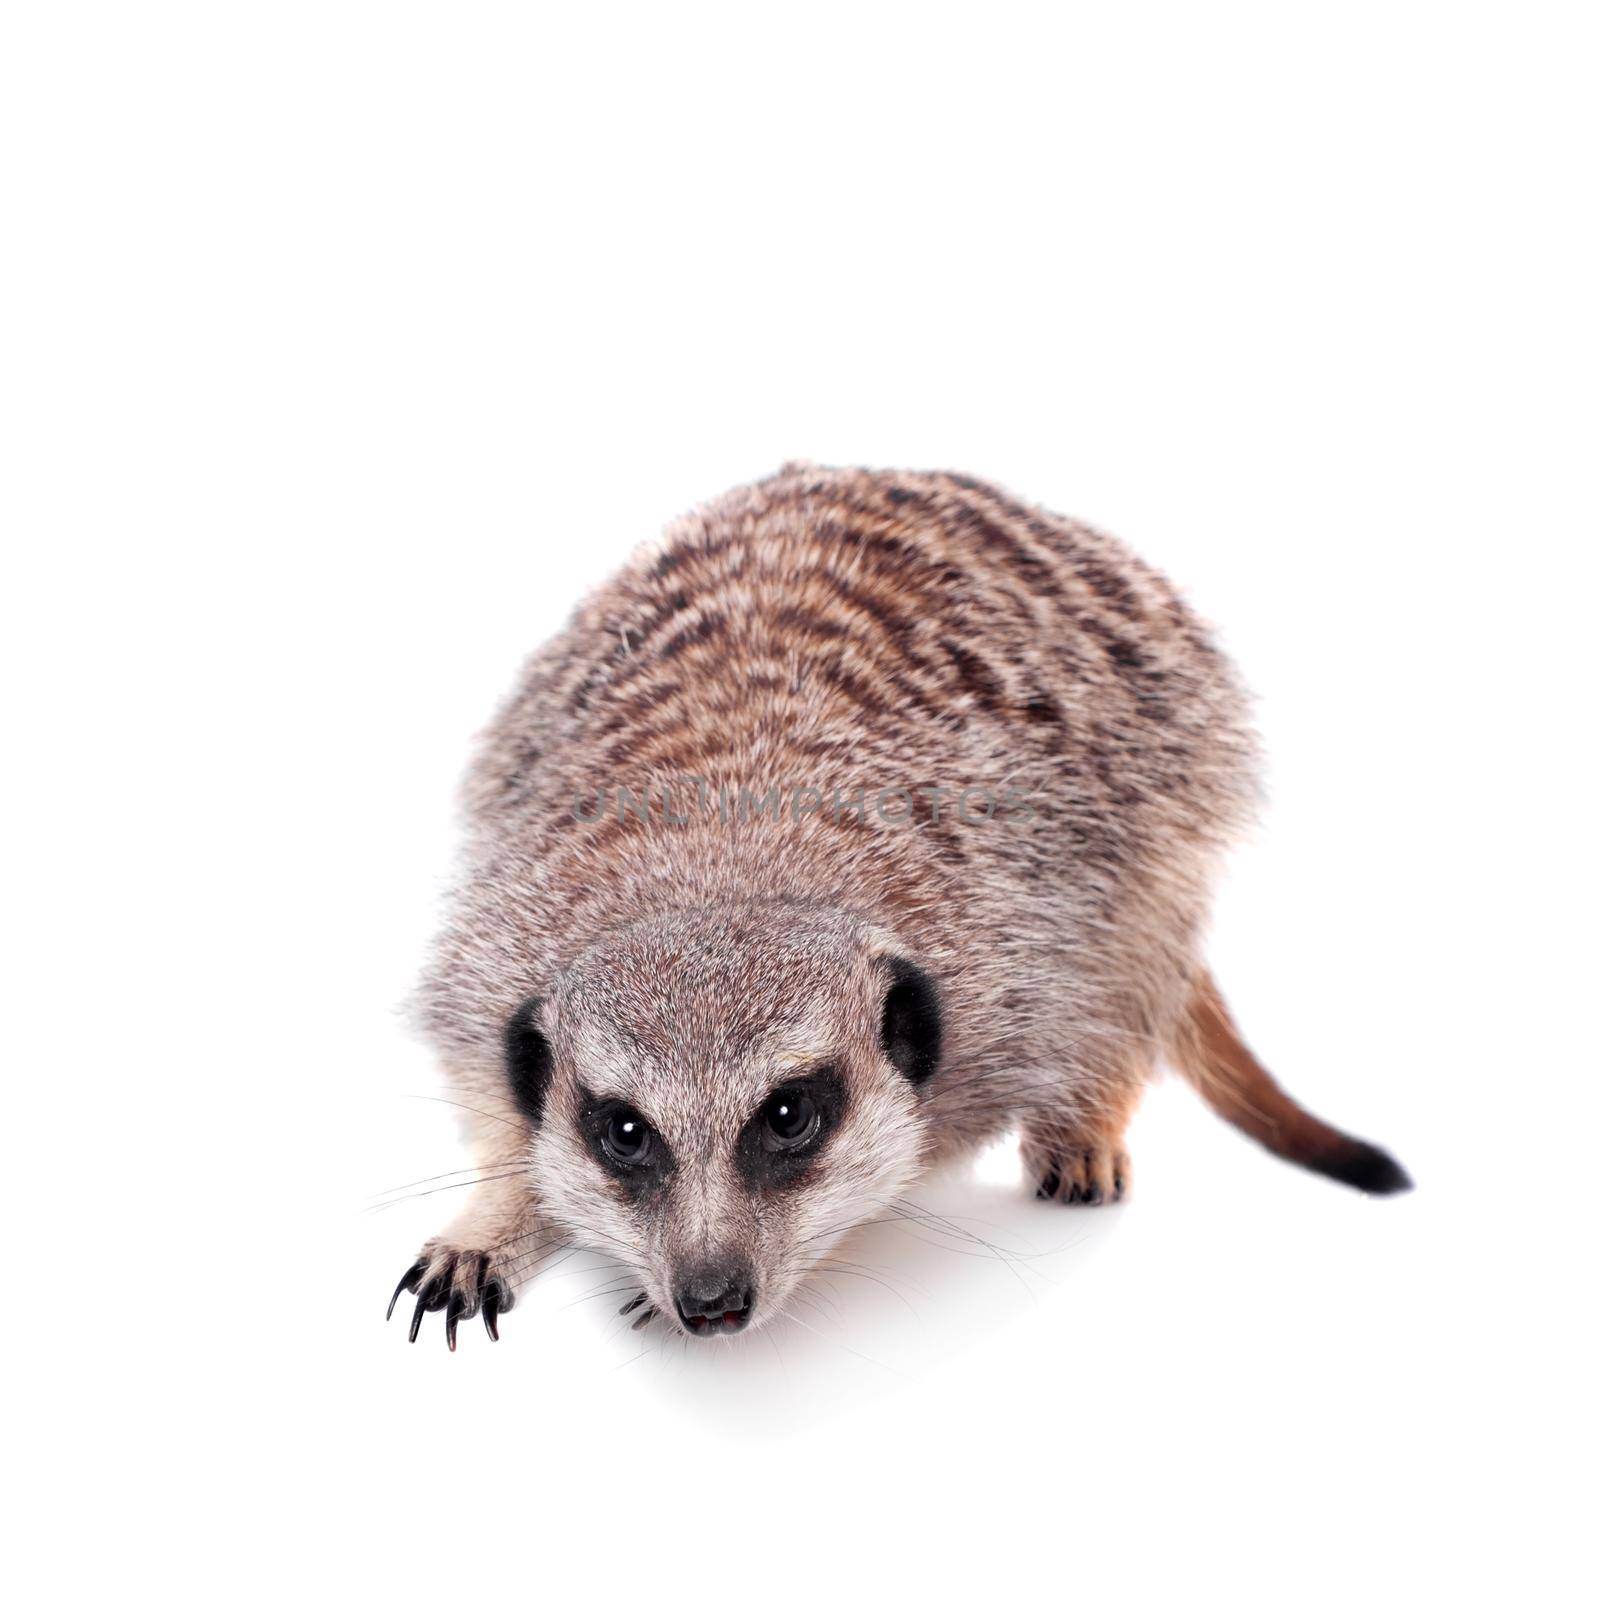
(1086, 1162)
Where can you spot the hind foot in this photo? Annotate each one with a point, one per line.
(1081, 1175)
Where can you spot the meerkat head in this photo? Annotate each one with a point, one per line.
(718, 1096)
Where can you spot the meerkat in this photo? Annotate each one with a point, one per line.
(865, 818)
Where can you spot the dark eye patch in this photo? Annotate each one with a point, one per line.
(766, 1162)
(624, 1143)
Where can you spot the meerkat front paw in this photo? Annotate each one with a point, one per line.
(460, 1283)
(1082, 1175)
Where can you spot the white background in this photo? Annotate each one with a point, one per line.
(344, 346)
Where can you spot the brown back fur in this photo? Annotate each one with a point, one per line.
(848, 629)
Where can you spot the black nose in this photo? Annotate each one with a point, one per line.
(715, 1300)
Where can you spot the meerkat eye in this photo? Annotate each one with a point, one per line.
(627, 1137)
(789, 1119)
(791, 1128)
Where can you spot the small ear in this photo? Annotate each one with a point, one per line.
(528, 1059)
(912, 1028)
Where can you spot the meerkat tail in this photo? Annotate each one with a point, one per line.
(1239, 1089)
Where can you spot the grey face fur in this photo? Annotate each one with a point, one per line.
(696, 1024)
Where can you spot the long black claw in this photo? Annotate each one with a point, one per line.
(416, 1319)
(491, 1308)
(452, 1316)
(1052, 1182)
(644, 1319)
(633, 1305)
(411, 1279)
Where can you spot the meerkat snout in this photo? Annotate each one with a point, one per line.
(715, 1298)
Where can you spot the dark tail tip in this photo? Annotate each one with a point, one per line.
(1364, 1167)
